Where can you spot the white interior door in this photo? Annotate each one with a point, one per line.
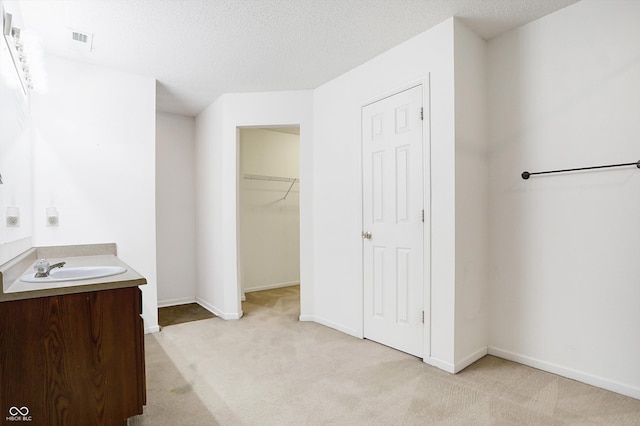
(393, 221)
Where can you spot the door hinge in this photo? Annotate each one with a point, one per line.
(423, 317)
(421, 113)
(422, 215)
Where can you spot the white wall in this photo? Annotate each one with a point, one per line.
(472, 199)
(15, 152)
(94, 160)
(175, 209)
(210, 250)
(338, 297)
(217, 201)
(269, 225)
(331, 251)
(565, 92)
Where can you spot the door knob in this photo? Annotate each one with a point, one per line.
(366, 235)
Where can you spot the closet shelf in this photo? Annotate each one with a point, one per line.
(271, 178)
(275, 179)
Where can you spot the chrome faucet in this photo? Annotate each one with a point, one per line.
(42, 268)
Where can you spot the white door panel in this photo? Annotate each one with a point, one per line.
(392, 213)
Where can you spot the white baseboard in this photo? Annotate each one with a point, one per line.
(176, 302)
(601, 382)
(470, 359)
(152, 329)
(460, 365)
(217, 312)
(330, 324)
(442, 365)
(270, 287)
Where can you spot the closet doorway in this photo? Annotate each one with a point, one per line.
(269, 209)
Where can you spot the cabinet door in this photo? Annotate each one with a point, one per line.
(141, 371)
(72, 359)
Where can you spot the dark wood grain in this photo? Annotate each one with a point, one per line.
(76, 359)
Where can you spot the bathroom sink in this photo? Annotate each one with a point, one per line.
(75, 273)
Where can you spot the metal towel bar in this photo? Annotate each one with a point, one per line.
(526, 175)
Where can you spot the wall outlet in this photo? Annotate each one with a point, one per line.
(13, 217)
(52, 216)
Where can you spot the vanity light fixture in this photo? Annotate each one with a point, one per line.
(27, 54)
(6, 24)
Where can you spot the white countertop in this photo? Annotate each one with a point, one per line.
(14, 289)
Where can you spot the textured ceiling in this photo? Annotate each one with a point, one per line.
(200, 49)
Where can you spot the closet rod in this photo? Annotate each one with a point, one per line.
(271, 178)
(526, 175)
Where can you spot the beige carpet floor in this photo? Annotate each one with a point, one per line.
(270, 369)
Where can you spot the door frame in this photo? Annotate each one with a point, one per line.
(426, 176)
(239, 282)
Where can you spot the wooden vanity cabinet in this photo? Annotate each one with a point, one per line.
(74, 359)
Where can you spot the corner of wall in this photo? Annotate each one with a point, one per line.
(217, 311)
(471, 198)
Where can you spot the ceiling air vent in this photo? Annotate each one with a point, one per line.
(82, 40)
